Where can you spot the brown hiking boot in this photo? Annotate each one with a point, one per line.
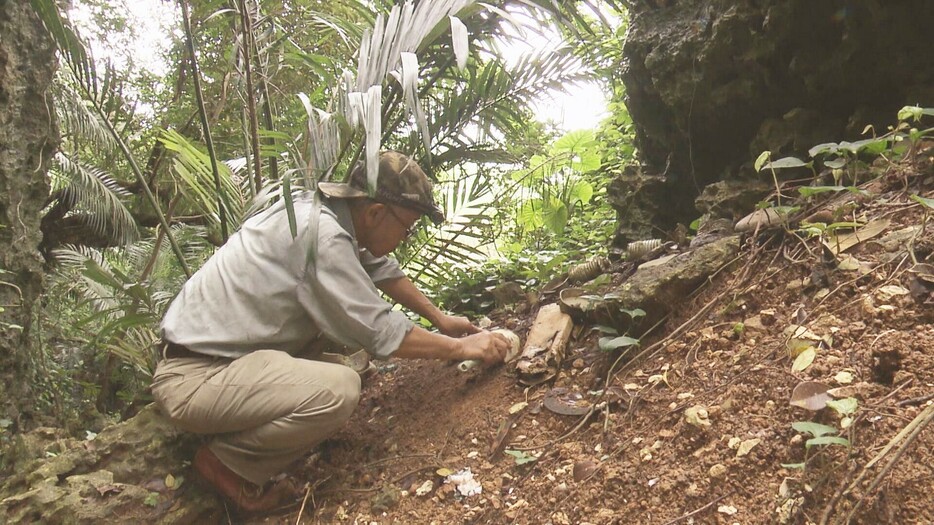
(245, 495)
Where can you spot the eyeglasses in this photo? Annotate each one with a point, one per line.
(409, 230)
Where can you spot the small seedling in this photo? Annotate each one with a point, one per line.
(823, 435)
(521, 457)
(845, 408)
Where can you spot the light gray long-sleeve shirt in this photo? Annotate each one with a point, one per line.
(261, 290)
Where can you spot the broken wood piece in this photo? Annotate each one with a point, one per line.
(545, 346)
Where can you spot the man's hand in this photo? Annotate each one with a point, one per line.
(455, 326)
(485, 346)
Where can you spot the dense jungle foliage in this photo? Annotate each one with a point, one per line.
(258, 101)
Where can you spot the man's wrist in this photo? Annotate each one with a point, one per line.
(435, 317)
(458, 350)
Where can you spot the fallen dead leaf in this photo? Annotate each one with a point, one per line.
(729, 510)
(583, 469)
(804, 359)
(843, 377)
(810, 395)
(841, 243)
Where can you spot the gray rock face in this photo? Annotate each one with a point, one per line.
(712, 83)
(118, 477)
(661, 288)
(657, 287)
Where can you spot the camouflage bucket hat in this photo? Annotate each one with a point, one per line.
(401, 182)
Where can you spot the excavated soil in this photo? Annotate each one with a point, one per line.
(635, 458)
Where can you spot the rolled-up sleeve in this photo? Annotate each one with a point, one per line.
(338, 293)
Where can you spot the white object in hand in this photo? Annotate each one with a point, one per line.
(511, 354)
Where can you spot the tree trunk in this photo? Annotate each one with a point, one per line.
(28, 139)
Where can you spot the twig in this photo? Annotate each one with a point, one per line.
(674, 333)
(895, 391)
(915, 401)
(695, 512)
(916, 426)
(580, 424)
(298, 520)
(825, 517)
(920, 421)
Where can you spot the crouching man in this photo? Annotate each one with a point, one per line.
(231, 335)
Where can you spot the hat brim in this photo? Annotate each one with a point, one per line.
(342, 190)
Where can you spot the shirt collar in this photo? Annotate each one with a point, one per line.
(341, 212)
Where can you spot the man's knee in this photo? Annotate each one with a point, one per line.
(346, 390)
(335, 393)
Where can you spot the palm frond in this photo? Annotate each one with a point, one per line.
(92, 190)
(461, 239)
(192, 168)
(80, 123)
(405, 30)
(134, 344)
(74, 261)
(321, 143)
(102, 93)
(495, 96)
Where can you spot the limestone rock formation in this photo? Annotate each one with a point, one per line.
(712, 83)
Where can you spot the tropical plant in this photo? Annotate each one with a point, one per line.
(317, 89)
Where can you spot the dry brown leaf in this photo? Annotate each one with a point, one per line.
(841, 243)
(584, 469)
(810, 395)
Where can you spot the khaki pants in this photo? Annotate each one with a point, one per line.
(266, 409)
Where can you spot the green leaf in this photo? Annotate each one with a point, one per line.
(827, 147)
(927, 203)
(793, 466)
(808, 191)
(814, 429)
(574, 142)
(612, 343)
(633, 313)
(521, 457)
(787, 162)
(152, 499)
(761, 159)
(555, 216)
(910, 112)
(804, 359)
(583, 191)
(873, 146)
(827, 440)
(845, 406)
